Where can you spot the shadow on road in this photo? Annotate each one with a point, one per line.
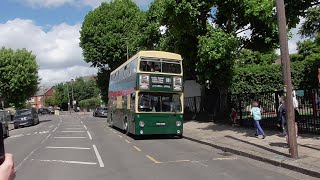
(46, 120)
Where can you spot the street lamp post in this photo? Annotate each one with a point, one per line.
(72, 93)
(286, 73)
(127, 48)
(68, 97)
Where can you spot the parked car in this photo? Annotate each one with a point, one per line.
(26, 117)
(5, 117)
(51, 110)
(100, 112)
(43, 111)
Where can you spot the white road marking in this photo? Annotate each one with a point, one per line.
(127, 141)
(98, 156)
(74, 125)
(115, 132)
(50, 126)
(28, 134)
(85, 126)
(71, 131)
(74, 128)
(17, 135)
(68, 162)
(55, 129)
(120, 136)
(58, 124)
(52, 147)
(81, 122)
(45, 139)
(35, 133)
(138, 149)
(32, 152)
(90, 137)
(70, 137)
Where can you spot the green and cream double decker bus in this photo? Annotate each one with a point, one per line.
(146, 94)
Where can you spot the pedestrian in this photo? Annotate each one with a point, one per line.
(233, 116)
(296, 111)
(282, 116)
(256, 114)
(7, 170)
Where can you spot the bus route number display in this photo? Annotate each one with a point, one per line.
(161, 82)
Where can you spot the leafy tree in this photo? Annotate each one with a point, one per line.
(18, 76)
(311, 26)
(92, 102)
(106, 30)
(247, 57)
(50, 101)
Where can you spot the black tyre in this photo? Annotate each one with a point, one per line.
(16, 127)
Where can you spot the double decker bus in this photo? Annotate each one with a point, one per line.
(146, 94)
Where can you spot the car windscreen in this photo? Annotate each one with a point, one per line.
(23, 112)
(159, 102)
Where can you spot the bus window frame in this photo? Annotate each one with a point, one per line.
(161, 61)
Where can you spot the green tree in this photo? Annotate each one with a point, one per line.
(50, 101)
(18, 76)
(106, 30)
(83, 89)
(311, 25)
(248, 57)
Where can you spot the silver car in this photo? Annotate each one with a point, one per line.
(5, 117)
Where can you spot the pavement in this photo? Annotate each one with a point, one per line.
(272, 149)
(80, 147)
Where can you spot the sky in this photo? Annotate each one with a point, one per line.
(50, 29)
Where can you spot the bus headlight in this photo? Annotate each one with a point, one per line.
(177, 83)
(141, 123)
(178, 123)
(144, 81)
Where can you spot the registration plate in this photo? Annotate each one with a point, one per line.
(160, 124)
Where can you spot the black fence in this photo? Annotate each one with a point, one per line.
(309, 109)
(308, 100)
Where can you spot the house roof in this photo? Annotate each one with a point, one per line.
(43, 89)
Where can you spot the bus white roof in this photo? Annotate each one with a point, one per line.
(153, 54)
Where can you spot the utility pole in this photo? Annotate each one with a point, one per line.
(286, 73)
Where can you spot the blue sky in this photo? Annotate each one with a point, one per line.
(50, 29)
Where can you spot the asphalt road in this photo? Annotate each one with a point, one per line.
(82, 147)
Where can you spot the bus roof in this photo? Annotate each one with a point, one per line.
(153, 54)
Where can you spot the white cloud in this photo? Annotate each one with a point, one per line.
(292, 42)
(92, 3)
(58, 53)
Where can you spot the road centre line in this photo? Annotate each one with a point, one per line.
(72, 131)
(70, 137)
(68, 162)
(53, 147)
(98, 155)
(153, 160)
(138, 149)
(85, 126)
(90, 137)
(55, 129)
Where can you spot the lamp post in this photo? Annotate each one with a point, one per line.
(68, 97)
(127, 48)
(72, 93)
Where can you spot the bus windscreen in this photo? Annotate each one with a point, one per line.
(159, 102)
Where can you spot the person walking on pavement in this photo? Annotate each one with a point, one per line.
(282, 116)
(256, 114)
(296, 111)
